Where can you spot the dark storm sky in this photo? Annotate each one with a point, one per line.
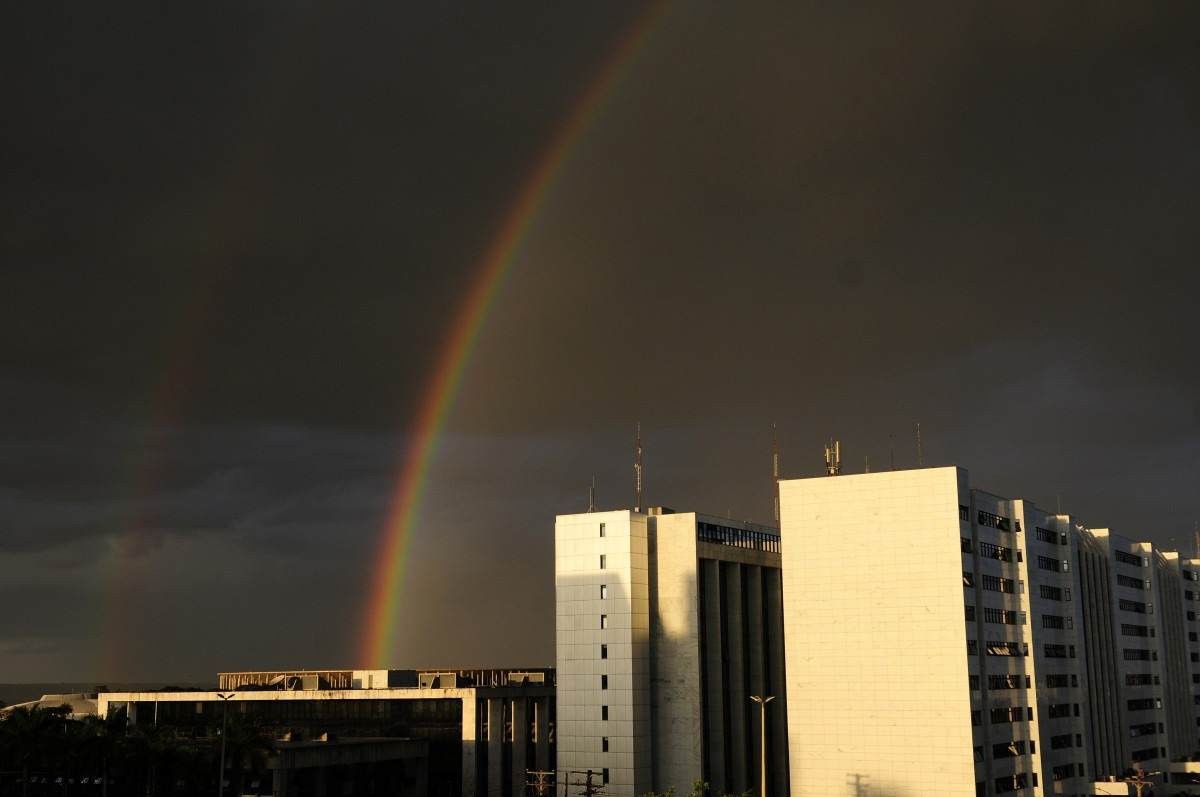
(233, 237)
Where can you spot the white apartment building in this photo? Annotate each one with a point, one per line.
(666, 624)
(1069, 675)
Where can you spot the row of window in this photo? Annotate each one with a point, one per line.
(1064, 771)
(1136, 630)
(998, 648)
(1145, 729)
(1054, 593)
(1139, 654)
(1003, 616)
(996, 521)
(1052, 537)
(1059, 710)
(1140, 679)
(1144, 703)
(1053, 565)
(990, 551)
(999, 584)
(1132, 583)
(1129, 559)
(1147, 753)
(1136, 606)
(1052, 651)
(1057, 621)
(1063, 740)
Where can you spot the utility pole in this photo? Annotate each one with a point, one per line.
(1139, 782)
(225, 698)
(762, 702)
(920, 452)
(540, 780)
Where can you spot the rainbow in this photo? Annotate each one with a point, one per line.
(442, 387)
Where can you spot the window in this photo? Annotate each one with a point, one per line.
(1058, 710)
(1138, 679)
(604, 713)
(1063, 771)
(1007, 682)
(973, 683)
(1006, 649)
(604, 651)
(1054, 651)
(1008, 714)
(1142, 729)
(1135, 630)
(964, 513)
(994, 521)
(975, 717)
(998, 584)
(1144, 754)
(1141, 704)
(970, 612)
(1046, 535)
(972, 647)
(1053, 621)
(1129, 581)
(1057, 681)
(990, 551)
(966, 545)
(1050, 593)
(604, 775)
(1011, 749)
(1128, 558)
(1066, 593)
(603, 561)
(603, 621)
(603, 592)
(1046, 563)
(604, 744)
(1060, 741)
(601, 529)
(603, 681)
(1132, 606)
(1136, 654)
(968, 579)
(1003, 617)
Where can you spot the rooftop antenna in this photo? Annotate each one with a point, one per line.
(637, 470)
(1058, 500)
(1196, 538)
(833, 458)
(920, 453)
(592, 496)
(867, 463)
(892, 449)
(775, 467)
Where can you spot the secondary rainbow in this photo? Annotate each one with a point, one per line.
(442, 387)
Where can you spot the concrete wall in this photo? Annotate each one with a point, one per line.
(581, 729)
(877, 687)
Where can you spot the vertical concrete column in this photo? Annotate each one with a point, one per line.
(756, 666)
(470, 743)
(520, 741)
(736, 779)
(541, 706)
(495, 715)
(714, 686)
(777, 740)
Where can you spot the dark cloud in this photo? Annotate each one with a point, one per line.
(236, 236)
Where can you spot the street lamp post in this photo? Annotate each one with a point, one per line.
(762, 736)
(224, 715)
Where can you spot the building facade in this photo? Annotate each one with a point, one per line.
(943, 640)
(666, 624)
(483, 728)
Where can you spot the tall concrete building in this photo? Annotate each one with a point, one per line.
(666, 624)
(942, 640)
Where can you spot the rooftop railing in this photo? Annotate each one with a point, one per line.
(737, 538)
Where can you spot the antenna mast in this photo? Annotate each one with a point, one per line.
(1197, 538)
(775, 467)
(920, 452)
(637, 470)
(592, 496)
(833, 458)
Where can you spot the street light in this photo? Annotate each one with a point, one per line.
(762, 736)
(224, 714)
